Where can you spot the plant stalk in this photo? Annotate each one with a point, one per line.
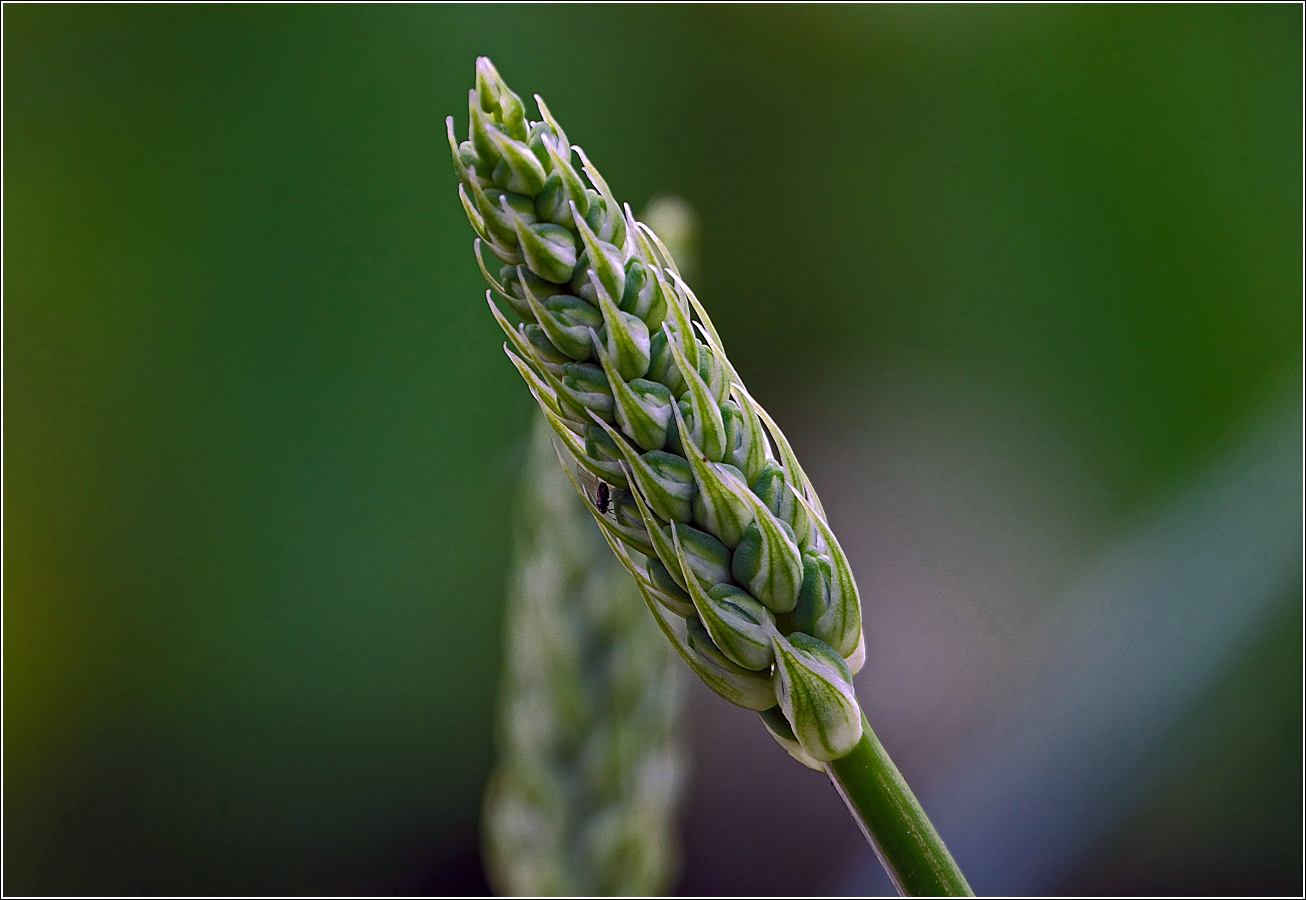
(894, 823)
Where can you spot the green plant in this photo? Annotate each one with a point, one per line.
(711, 512)
(590, 772)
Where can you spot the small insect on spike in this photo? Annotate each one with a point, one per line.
(604, 498)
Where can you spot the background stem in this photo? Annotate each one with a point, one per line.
(894, 823)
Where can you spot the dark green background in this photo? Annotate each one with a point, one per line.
(260, 437)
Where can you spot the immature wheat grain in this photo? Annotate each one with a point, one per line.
(715, 518)
(742, 572)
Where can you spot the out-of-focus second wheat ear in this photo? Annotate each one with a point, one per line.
(591, 769)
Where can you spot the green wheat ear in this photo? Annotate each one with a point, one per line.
(712, 514)
(584, 796)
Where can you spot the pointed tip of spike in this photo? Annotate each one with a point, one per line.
(544, 110)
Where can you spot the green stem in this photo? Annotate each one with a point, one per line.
(895, 825)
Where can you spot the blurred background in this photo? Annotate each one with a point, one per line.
(1022, 284)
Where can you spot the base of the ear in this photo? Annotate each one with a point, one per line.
(776, 723)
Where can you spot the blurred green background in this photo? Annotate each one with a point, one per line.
(1013, 279)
